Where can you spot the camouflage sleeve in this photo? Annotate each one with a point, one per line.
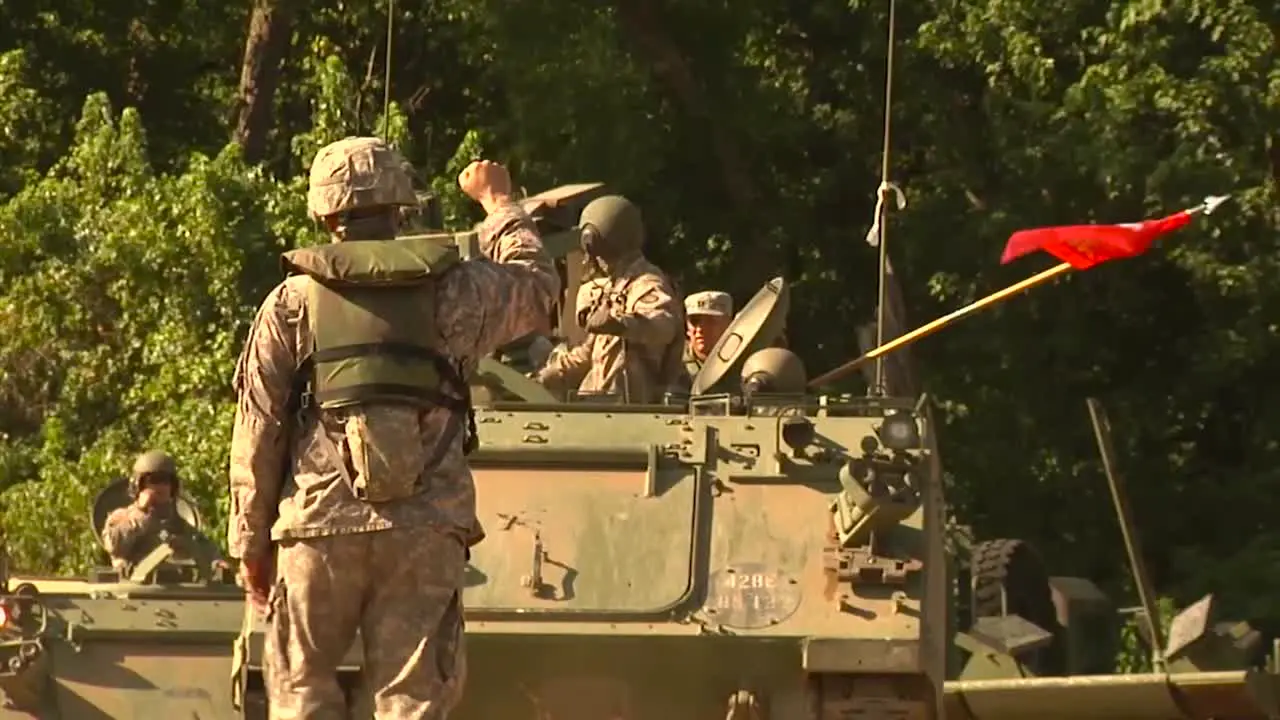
(485, 305)
(567, 367)
(259, 437)
(124, 528)
(654, 315)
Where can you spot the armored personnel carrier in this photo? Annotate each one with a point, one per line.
(749, 551)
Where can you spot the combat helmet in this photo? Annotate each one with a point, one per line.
(612, 228)
(153, 462)
(358, 172)
(774, 370)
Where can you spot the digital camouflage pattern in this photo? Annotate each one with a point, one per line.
(358, 172)
(130, 532)
(643, 301)
(286, 487)
(481, 306)
(328, 587)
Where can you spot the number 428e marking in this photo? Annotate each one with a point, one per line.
(752, 581)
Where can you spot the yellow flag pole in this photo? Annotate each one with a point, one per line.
(1207, 207)
(930, 328)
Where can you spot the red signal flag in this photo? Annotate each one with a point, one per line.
(1084, 246)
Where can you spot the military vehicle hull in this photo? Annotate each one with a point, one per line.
(127, 651)
(646, 563)
(684, 569)
(662, 563)
(749, 558)
(168, 657)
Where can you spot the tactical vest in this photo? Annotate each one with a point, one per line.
(372, 313)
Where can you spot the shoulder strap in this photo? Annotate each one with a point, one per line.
(378, 263)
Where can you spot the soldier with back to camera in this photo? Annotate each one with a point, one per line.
(351, 435)
(631, 314)
(130, 532)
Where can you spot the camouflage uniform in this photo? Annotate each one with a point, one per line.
(131, 532)
(707, 302)
(629, 353)
(391, 569)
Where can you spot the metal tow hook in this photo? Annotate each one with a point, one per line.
(533, 581)
(743, 706)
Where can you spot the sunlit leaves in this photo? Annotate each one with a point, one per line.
(128, 273)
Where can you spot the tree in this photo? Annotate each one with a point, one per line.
(750, 135)
(268, 38)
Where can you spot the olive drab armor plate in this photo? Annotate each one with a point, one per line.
(560, 206)
(756, 326)
(372, 310)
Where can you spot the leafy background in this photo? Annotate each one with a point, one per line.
(142, 207)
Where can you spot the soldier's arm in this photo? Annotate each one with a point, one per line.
(124, 528)
(567, 367)
(515, 292)
(259, 438)
(654, 316)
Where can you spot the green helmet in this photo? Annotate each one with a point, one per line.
(358, 172)
(153, 463)
(612, 228)
(774, 370)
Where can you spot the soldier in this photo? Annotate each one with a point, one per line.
(131, 532)
(631, 315)
(707, 315)
(351, 434)
(573, 359)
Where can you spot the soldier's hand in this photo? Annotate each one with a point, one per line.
(486, 182)
(256, 577)
(146, 498)
(602, 322)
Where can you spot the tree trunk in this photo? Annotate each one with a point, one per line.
(660, 52)
(270, 28)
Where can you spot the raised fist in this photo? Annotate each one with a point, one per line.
(486, 182)
(147, 498)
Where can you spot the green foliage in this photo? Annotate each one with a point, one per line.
(1135, 655)
(456, 208)
(128, 292)
(126, 295)
(130, 262)
(23, 112)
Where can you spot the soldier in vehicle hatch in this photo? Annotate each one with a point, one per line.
(350, 443)
(707, 315)
(632, 317)
(131, 532)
